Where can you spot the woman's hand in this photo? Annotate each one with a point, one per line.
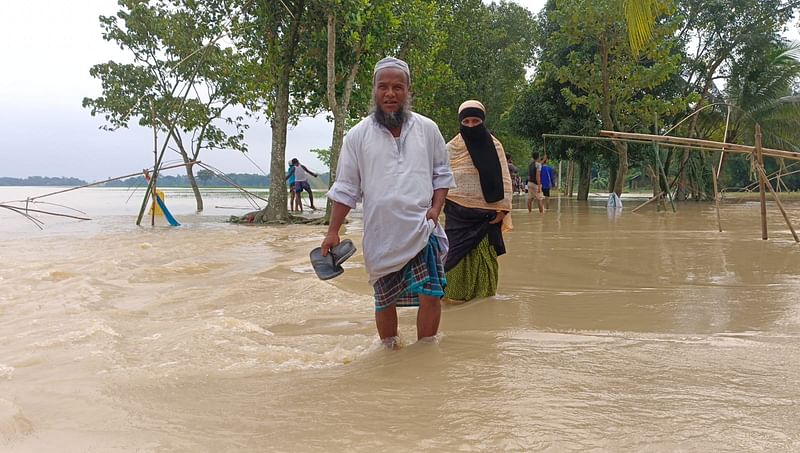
(498, 218)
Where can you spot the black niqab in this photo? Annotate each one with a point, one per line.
(481, 149)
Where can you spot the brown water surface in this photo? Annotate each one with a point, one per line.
(611, 332)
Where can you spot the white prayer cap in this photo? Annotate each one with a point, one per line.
(390, 62)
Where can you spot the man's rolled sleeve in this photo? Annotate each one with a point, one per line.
(347, 188)
(442, 173)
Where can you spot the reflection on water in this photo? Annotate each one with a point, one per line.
(610, 332)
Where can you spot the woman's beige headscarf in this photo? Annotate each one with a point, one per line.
(468, 192)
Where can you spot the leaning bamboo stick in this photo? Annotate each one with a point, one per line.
(761, 186)
(762, 174)
(716, 197)
(104, 181)
(225, 178)
(155, 164)
(21, 211)
(654, 198)
(709, 145)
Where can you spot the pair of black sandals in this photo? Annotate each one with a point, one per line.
(328, 267)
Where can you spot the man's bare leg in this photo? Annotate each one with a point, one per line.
(428, 316)
(386, 321)
(529, 204)
(311, 199)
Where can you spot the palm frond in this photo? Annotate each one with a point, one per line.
(640, 16)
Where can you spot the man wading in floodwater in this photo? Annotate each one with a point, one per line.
(395, 160)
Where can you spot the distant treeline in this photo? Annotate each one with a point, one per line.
(41, 181)
(204, 179)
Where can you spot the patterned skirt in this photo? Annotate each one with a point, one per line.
(424, 274)
(475, 275)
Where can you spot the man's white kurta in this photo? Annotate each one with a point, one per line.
(394, 178)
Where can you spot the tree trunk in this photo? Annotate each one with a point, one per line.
(612, 178)
(584, 178)
(198, 198)
(339, 108)
(682, 193)
(276, 210)
(570, 178)
(336, 149)
(608, 122)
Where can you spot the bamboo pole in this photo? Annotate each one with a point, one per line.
(724, 140)
(763, 174)
(170, 131)
(716, 196)
(138, 173)
(709, 145)
(225, 178)
(761, 189)
(652, 199)
(155, 164)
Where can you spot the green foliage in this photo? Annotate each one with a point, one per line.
(612, 77)
(174, 48)
(484, 55)
(324, 156)
(640, 17)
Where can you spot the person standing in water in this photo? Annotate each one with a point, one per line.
(477, 211)
(300, 173)
(395, 162)
(535, 183)
(548, 181)
(290, 183)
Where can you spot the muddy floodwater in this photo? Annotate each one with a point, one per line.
(611, 331)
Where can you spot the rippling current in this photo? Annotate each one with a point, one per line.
(611, 332)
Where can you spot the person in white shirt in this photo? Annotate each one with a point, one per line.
(300, 173)
(395, 162)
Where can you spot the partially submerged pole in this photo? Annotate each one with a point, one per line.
(762, 195)
(716, 196)
(155, 163)
(654, 198)
(763, 174)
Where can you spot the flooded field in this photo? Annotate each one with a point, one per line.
(612, 331)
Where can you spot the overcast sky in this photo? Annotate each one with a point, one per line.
(47, 48)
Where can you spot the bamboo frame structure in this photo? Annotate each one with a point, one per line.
(758, 152)
(762, 195)
(107, 181)
(694, 143)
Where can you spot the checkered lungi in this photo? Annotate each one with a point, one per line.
(424, 274)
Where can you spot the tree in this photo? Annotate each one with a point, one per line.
(270, 35)
(181, 79)
(357, 34)
(612, 81)
(486, 60)
(714, 33)
(542, 109)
